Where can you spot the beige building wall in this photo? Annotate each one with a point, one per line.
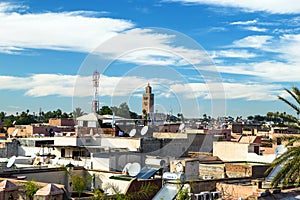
(234, 151)
(230, 151)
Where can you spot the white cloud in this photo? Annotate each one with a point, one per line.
(234, 53)
(288, 46)
(248, 91)
(267, 71)
(153, 47)
(80, 31)
(6, 7)
(254, 28)
(72, 31)
(244, 22)
(280, 58)
(270, 6)
(254, 41)
(40, 85)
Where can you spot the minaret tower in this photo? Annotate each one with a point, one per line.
(95, 103)
(148, 100)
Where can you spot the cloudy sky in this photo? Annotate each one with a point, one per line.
(200, 56)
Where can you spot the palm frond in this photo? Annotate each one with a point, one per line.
(290, 139)
(289, 173)
(289, 161)
(288, 118)
(292, 105)
(297, 94)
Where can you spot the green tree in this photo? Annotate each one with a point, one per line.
(57, 113)
(79, 183)
(145, 192)
(31, 188)
(99, 195)
(145, 116)
(78, 112)
(8, 122)
(2, 116)
(105, 110)
(290, 160)
(133, 115)
(123, 111)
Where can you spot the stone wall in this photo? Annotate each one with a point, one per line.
(215, 171)
(9, 149)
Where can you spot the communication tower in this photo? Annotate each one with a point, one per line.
(95, 103)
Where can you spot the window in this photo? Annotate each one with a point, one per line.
(63, 152)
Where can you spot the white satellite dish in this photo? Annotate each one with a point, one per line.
(11, 162)
(179, 167)
(15, 133)
(134, 169)
(181, 127)
(126, 168)
(144, 130)
(132, 132)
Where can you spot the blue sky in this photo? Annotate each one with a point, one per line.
(248, 52)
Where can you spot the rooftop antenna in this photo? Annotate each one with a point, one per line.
(95, 104)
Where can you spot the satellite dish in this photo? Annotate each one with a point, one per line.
(126, 168)
(15, 133)
(11, 162)
(181, 127)
(144, 130)
(179, 167)
(132, 132)
(134, 169)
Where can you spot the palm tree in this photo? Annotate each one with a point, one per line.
(289, 160)
(78, 112)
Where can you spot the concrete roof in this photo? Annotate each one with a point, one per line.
(287, 194)
(89, 117)
(49, 189)
(96, 117)
(247, 139)
(6, 185)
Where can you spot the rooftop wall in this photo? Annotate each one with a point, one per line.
(61, 122)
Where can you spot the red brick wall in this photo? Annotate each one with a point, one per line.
(61, 122)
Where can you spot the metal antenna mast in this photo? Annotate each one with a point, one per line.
(95, 104)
